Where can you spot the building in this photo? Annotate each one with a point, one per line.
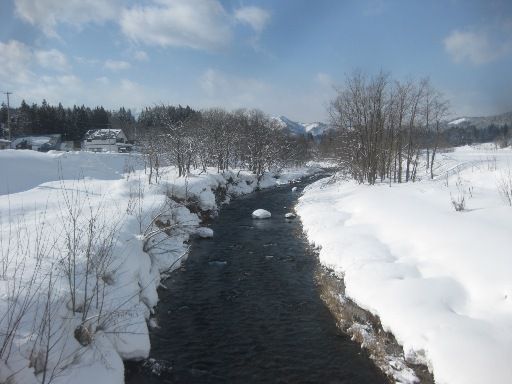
(106, 140)
(5, 144)
(43, 143)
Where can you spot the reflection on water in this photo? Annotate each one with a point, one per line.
(245, 308)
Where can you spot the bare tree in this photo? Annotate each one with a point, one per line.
(383, 126)
(440, 111)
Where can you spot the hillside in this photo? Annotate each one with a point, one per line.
(481, 122)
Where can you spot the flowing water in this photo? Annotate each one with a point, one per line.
(245, 308)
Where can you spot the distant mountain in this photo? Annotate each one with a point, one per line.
(482, 122)
(470, 130)
(316, 129)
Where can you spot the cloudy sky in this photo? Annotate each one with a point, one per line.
(282, 56)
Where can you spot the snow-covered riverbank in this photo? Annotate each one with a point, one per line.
(438, 278)
(76, 288)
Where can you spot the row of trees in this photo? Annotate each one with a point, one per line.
(175, 135)
(216, 138)
(384, 125)
(72, 123)
(464, 134)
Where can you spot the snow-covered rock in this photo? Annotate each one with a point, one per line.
(261, 214)
(153, 323)
(290, 215)
(204, 232)
(294, 189)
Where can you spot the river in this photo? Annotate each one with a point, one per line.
(245, 308)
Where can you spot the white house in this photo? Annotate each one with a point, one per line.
(106, 140)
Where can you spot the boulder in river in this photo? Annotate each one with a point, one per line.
(261, 214)
(294, 189)
(204, 232)
(290, 215)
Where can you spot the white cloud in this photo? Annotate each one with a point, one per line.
(198, 24)
(70, 90)
(116, 65)
(141, 56)
(231, 91)
(46, 14)
(324, 79)
(84, 60)
(469, 46)
(18, 62)
(52, 59)
(25, 71)
(103, 80)
(478, 46)
(256, 17)
(53, 89)
(15, 62)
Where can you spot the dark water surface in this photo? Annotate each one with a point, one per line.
(245, 308)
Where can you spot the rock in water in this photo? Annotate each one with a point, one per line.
(294, 189)
(261, 214)
(205, 233)
(290, 215)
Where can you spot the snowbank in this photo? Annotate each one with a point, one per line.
(437, 278)
(84, 243)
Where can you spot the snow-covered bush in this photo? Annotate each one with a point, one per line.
(458, 202)
(504, 183)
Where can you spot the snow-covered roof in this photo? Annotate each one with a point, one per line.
(38, 140)
(102, 134)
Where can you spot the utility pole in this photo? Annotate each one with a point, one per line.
(8, 114)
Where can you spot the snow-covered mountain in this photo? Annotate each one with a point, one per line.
(316, 129)
(483, 121)
(458, 121)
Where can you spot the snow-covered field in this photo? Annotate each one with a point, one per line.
(84, 242)
(439, 279)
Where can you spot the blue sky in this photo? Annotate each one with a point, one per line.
(282, 56)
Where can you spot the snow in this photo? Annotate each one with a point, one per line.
(438, 279)
(457, 121)
(290, 215)
(294, 189)
(204, 232)
(317, 129)
(54, 166)
(110, 191)
(261, 214)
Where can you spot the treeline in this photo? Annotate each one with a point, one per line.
(175, 135)
(384, 125)
(71, 123)
(189, 139)
(464, 134)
